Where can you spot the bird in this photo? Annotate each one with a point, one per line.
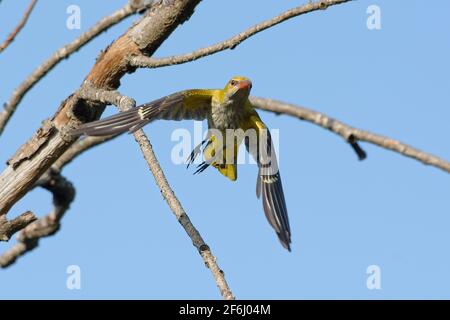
(227, 111)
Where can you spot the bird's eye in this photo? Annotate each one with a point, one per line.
(233, 82)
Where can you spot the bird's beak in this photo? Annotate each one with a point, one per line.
(245, 84)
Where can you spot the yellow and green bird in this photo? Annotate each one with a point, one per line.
(227, 111)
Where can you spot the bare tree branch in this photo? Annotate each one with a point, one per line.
(148, 62)
(89, 92)
(50, 141)
(19, 27)
(180, 213)
(39, 153)
(63, 53)
(348, 133)
(28, 239)
(8, 228)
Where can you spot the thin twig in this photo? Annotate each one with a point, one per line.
(63, 53)
(180, 214)
(148, 62)
(350, 134)
(19, 27)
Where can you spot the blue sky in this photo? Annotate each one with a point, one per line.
(345, 215)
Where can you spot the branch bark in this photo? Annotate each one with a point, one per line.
(19, 27)
(8, 228)
(349, 133)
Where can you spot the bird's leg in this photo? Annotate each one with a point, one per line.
(195, 152)
(212, 159)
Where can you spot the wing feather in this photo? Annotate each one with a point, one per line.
(268, 183)
(184, 105)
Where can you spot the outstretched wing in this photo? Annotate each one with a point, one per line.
(268, 184)
(183, 105)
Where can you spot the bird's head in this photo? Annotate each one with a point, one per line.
(238, 88)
